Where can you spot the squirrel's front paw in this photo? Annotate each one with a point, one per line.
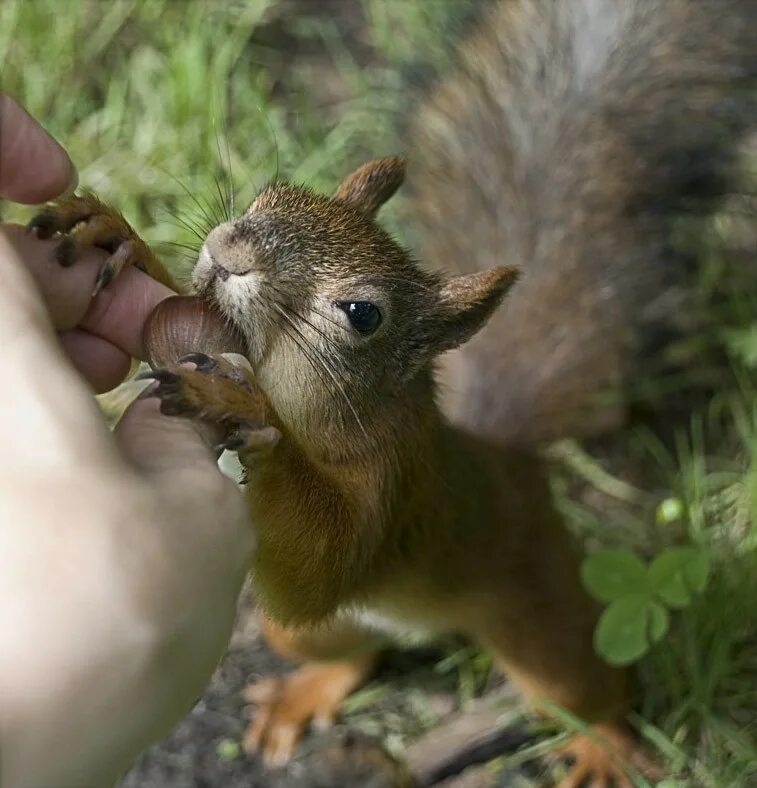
(219, 392)
(84, 220)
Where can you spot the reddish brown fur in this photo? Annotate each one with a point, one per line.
(402, 514)
(371, 500)
(85, 220)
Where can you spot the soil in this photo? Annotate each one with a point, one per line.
(203, 751)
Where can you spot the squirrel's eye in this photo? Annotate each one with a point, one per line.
(363, 315)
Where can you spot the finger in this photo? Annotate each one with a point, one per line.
(175, 455)
(67, 292)
(47, 412)
(155, 442)
(33, 166)
(102, 364)
(119, 312)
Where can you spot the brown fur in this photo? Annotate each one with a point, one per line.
(569, 140)
(84, 220)
(555, 145)
(381, 507)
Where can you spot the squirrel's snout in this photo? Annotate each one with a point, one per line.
(228, 255)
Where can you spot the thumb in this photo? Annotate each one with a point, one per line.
(33, 166)
(155, 443)
(176, 456)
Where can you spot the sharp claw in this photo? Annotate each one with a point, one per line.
(104, 278)
(65, 253)
(234, 442)
(231, 443)
(252, 439)
(44, 224)
(202, 361)
(161, 375)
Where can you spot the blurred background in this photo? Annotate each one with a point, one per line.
(179, 110)
(164, 103)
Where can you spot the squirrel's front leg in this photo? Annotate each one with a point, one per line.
(84, 220)
(217, 391)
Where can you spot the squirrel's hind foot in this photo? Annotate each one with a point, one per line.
(286, 704)
(84, 220)
(601, 759)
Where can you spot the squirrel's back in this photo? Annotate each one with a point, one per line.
(569, 140)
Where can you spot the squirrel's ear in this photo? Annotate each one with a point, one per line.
(467, 302)
(370, 186)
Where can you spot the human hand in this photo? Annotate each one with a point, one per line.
(121, 554)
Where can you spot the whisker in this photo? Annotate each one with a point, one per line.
(192, 248)
(406, 280)
(331, 320)
(229, 168)
(205, 211)
(214, 212)
(186, 225)
(325, 367)
(182, 257)
(274, 140)
(210, 218)
(315, 328)
(227, 195)
(220, 200)
(305, 352)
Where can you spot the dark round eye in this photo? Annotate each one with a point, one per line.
(363, 315)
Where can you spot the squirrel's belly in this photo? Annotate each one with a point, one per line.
(393, 626)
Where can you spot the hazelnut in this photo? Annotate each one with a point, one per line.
(187, 324)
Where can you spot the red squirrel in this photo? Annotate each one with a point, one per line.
(552, 162)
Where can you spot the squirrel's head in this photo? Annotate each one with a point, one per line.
(339, 319)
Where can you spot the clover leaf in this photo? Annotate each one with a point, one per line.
(639, 595)
(678, 573)
(612, 574)
(628, 627)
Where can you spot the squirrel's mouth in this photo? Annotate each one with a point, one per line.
(243, 313)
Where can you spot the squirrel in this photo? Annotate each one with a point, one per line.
(552, 163)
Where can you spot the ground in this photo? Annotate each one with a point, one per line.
(171, 107)
(203, 752)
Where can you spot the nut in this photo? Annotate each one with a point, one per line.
(187, 324)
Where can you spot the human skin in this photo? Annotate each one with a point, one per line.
(121, 553)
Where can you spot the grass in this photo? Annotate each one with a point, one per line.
(166, 104)
(697, 691)
(169, 108)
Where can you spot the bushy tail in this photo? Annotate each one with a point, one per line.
(569, 140)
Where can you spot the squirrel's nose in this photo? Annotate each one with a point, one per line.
(227, 256)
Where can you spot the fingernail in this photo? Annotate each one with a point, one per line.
(73, 181)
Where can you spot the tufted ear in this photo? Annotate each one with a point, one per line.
(370, 186)
(467, 302)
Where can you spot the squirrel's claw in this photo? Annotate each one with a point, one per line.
(202, 361)
(127, 253)
(83, 220)
(168, 389)
(220, 367)
(43, 224)
(250, 439)
(216, 391)
(164, 376)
